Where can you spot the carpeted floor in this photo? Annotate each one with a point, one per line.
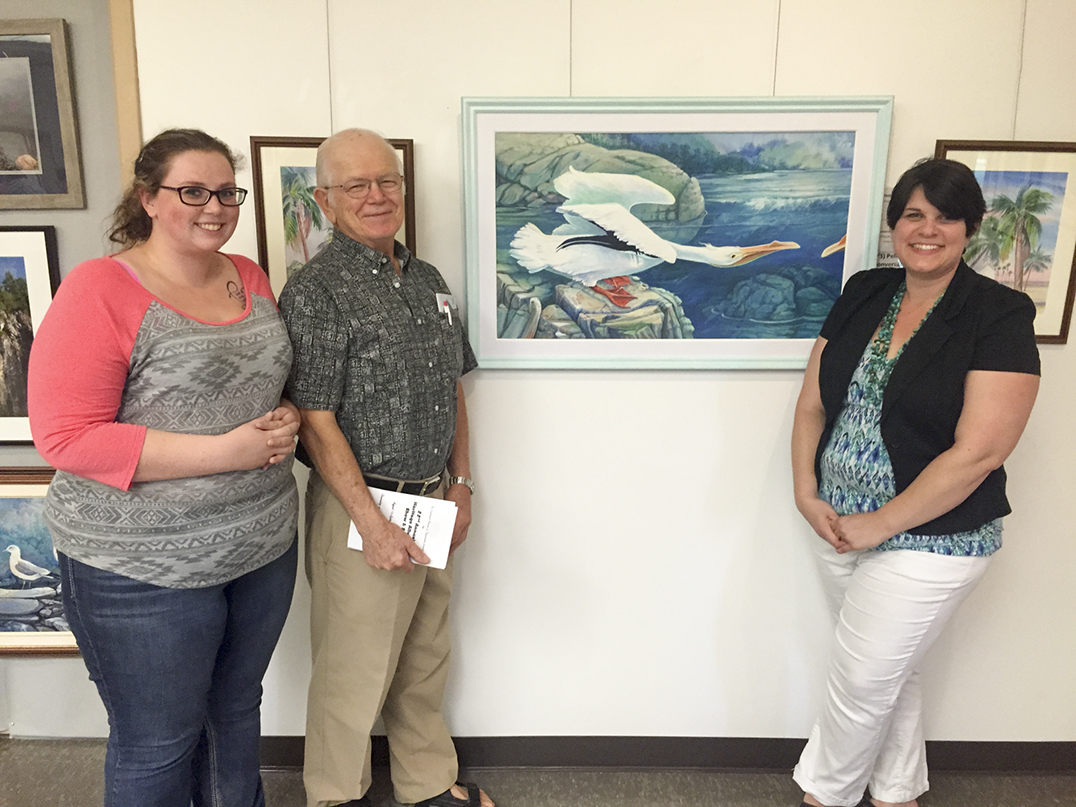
(67, 773)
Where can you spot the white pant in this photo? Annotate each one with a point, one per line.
(890, 607)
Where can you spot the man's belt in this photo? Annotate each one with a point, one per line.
(416, 487)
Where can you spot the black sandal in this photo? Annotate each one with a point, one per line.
(446, 799)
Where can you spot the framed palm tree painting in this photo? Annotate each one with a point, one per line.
(1028, 238)
(291, 227)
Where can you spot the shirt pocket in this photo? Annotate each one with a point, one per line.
(451, 345)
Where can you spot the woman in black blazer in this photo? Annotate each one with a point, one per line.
(918, 388)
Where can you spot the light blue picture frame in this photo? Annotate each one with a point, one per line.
(525, 159)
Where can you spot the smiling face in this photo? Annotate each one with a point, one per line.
(375, 219)
(928, 244)
(187, 228)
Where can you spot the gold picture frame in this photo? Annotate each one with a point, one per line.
(43, 169)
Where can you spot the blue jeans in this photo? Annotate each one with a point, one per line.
(179, 671)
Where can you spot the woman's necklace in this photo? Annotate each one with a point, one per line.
(881, 343)
(884, 339)
(880, 365)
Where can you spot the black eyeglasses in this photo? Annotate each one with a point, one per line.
(360, 188)
(199, 197)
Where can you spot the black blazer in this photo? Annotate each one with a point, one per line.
(977, 325)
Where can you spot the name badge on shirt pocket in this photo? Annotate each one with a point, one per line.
(446, 304)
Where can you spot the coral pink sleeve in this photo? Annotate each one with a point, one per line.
(78, 367)
(255, 279)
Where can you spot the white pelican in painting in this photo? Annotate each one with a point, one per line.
(602, 241)
(22, 568)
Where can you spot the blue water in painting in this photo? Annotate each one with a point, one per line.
(808, 207)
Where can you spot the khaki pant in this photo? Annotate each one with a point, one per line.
(380, 643)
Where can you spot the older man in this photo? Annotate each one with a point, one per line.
(379, 351)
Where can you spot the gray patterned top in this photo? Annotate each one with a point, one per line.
(198, 378)
(379, 351)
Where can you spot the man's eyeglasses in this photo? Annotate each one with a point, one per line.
(199, 197)
(360, 188)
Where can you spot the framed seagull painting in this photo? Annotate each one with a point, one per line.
(665, 233)
(32, 619)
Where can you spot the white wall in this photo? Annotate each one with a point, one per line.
(636, 565)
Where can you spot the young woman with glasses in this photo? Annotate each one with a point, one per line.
(155, 384)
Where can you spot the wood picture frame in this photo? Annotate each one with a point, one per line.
(43, 170)
(1027, 240)
(284, 206)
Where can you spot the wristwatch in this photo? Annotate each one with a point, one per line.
(461, 480)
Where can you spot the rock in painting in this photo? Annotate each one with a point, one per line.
(653, 314)
(16, 335)
(543, 308)
(527, 164)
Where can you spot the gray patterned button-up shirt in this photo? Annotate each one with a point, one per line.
(379, 351)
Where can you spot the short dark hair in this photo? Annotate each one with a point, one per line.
(130, 223)
(948, 185)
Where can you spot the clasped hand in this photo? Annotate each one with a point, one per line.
(844, 533)
(267, 439)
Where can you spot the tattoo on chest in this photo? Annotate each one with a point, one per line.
(237, 292)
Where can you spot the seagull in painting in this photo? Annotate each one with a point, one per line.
(602, 242)
(22, 568)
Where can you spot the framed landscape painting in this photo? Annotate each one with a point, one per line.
(1027, 240)
(29, 276)
(291, 227)
(39, 158)
(32, 619)
(665, 233)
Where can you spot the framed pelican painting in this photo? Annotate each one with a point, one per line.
(31, 614)
(665, 233)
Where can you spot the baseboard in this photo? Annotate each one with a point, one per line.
(719, 753)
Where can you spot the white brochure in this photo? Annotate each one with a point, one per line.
(428, 521)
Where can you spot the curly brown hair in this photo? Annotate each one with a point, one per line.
(130, 223)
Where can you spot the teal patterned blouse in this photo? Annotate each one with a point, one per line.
(856, 473)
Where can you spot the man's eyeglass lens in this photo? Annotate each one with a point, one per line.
(361, 187)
